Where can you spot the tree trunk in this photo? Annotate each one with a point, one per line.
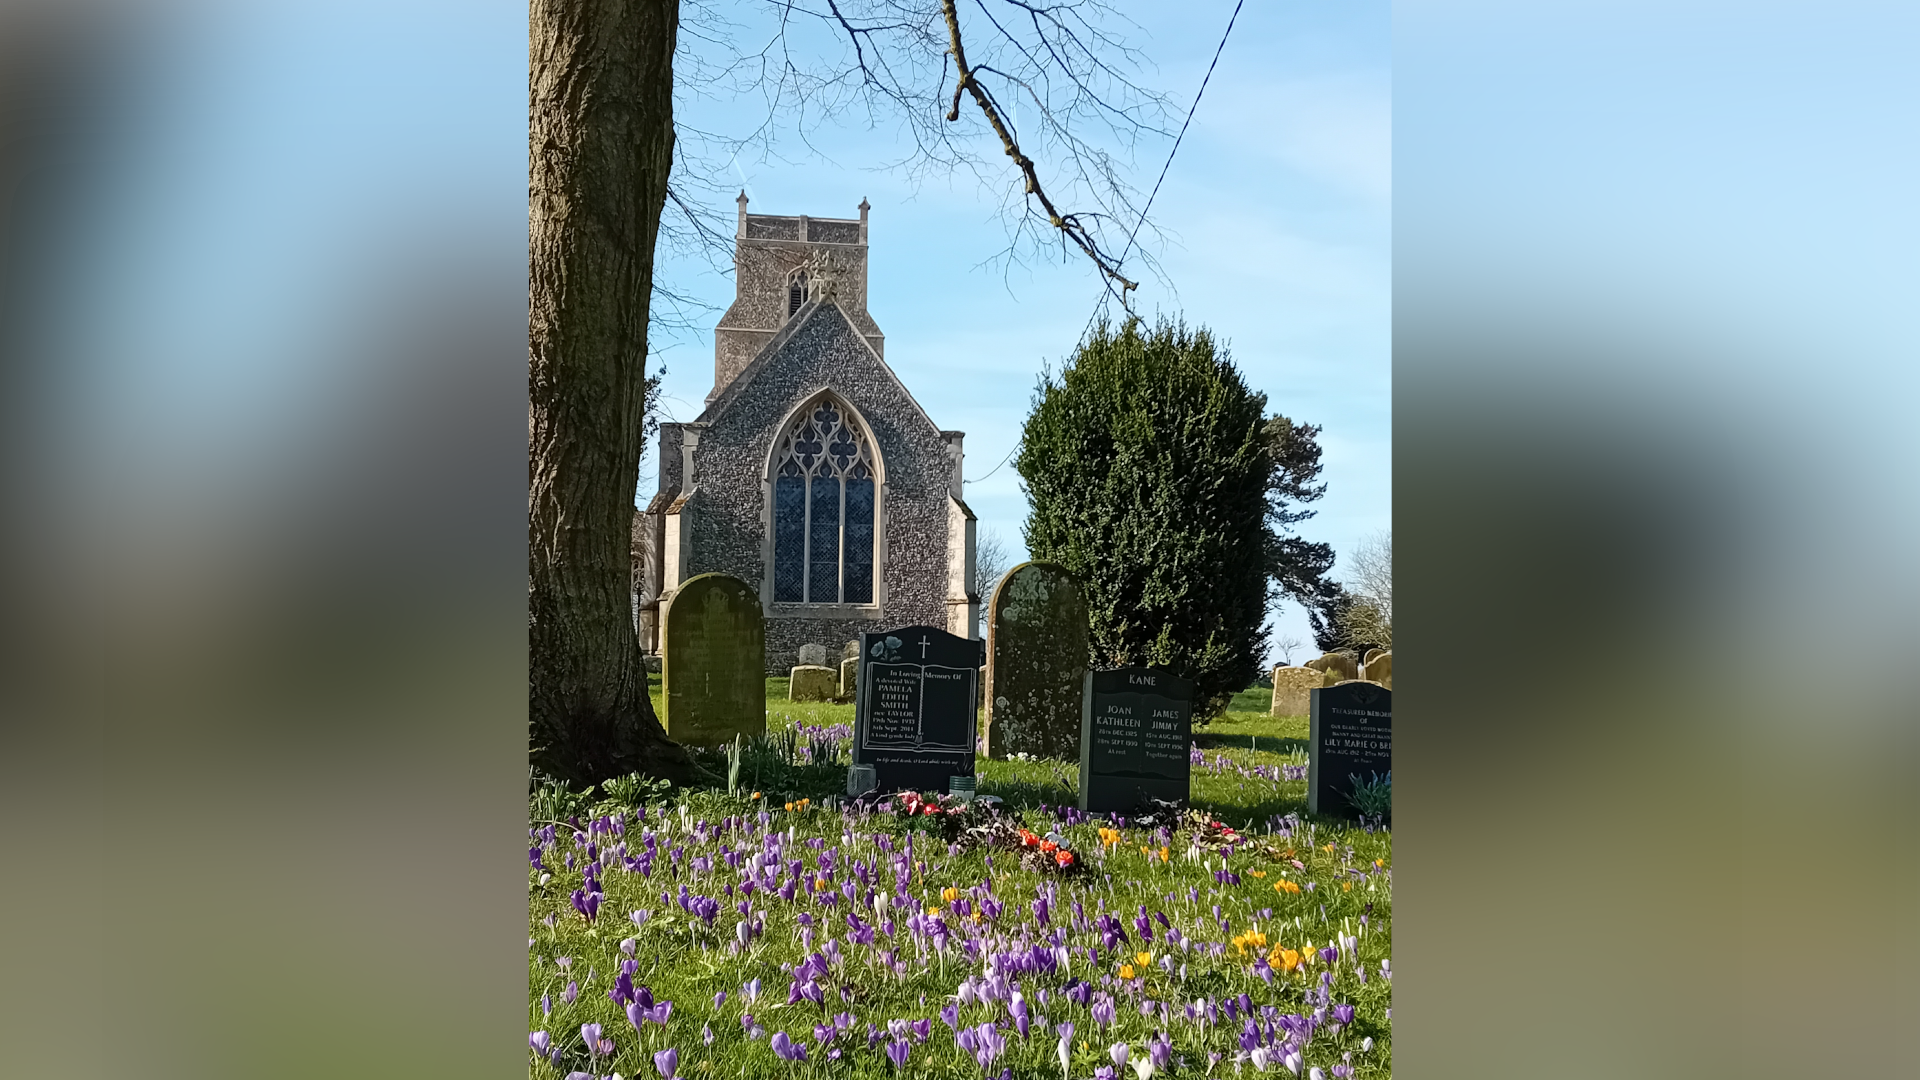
(600, 147)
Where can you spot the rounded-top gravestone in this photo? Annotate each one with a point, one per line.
(714, 660)
(1036, 659)
(1379, 669)
(1336, 663)
(813, 654)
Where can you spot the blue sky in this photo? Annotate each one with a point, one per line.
(312, 164)
(1278, 207)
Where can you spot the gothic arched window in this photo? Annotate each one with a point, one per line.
(823, 509)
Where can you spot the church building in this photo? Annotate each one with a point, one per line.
(812, 473)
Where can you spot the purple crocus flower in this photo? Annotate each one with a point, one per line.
(786, 1049)
(706, 1034)
(540, 1041)
(1018, 1009)
(1343, 1013)
(667, 1062)
(897, 1053)
(991, 1045)
(1103, 1011)
(590, 1034)
(921, 1029)
(570, 993)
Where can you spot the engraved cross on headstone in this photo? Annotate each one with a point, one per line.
(923, 646)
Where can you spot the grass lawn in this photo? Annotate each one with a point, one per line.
(822, 940)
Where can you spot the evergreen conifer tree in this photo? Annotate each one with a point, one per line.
(1155, 475)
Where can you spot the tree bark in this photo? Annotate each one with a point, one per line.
(600, 149)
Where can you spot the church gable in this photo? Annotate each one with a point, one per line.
(813, 473)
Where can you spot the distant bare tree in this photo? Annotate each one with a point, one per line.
(1286, 647)
(990, 563)
(1368, 621)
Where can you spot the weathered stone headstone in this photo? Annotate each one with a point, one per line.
(1136, 728)
(1335, 663)
(1036, 661)
(1379, 669)
(1349, 734)
(713, 671)
(813, 682)
(849, 676)
(1368, 658)
(915, 710)
(1291, 687)
(813, 654)
(851, 650)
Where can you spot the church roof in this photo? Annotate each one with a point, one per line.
(812, 309)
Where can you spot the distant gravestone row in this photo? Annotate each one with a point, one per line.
(1336, 664)
(917, 691)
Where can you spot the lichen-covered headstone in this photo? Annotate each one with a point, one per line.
(713, 671)
(849, 676)
(1036, 661)
(813, 654)
(1291, 687)
(812, 682)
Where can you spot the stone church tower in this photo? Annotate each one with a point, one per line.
(812, 473)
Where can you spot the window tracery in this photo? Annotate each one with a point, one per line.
(824, 503)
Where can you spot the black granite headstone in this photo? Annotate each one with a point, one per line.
(915, 711)
(1136, 727)
(1349, 734)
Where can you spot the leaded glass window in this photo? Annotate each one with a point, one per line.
(824, 504)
